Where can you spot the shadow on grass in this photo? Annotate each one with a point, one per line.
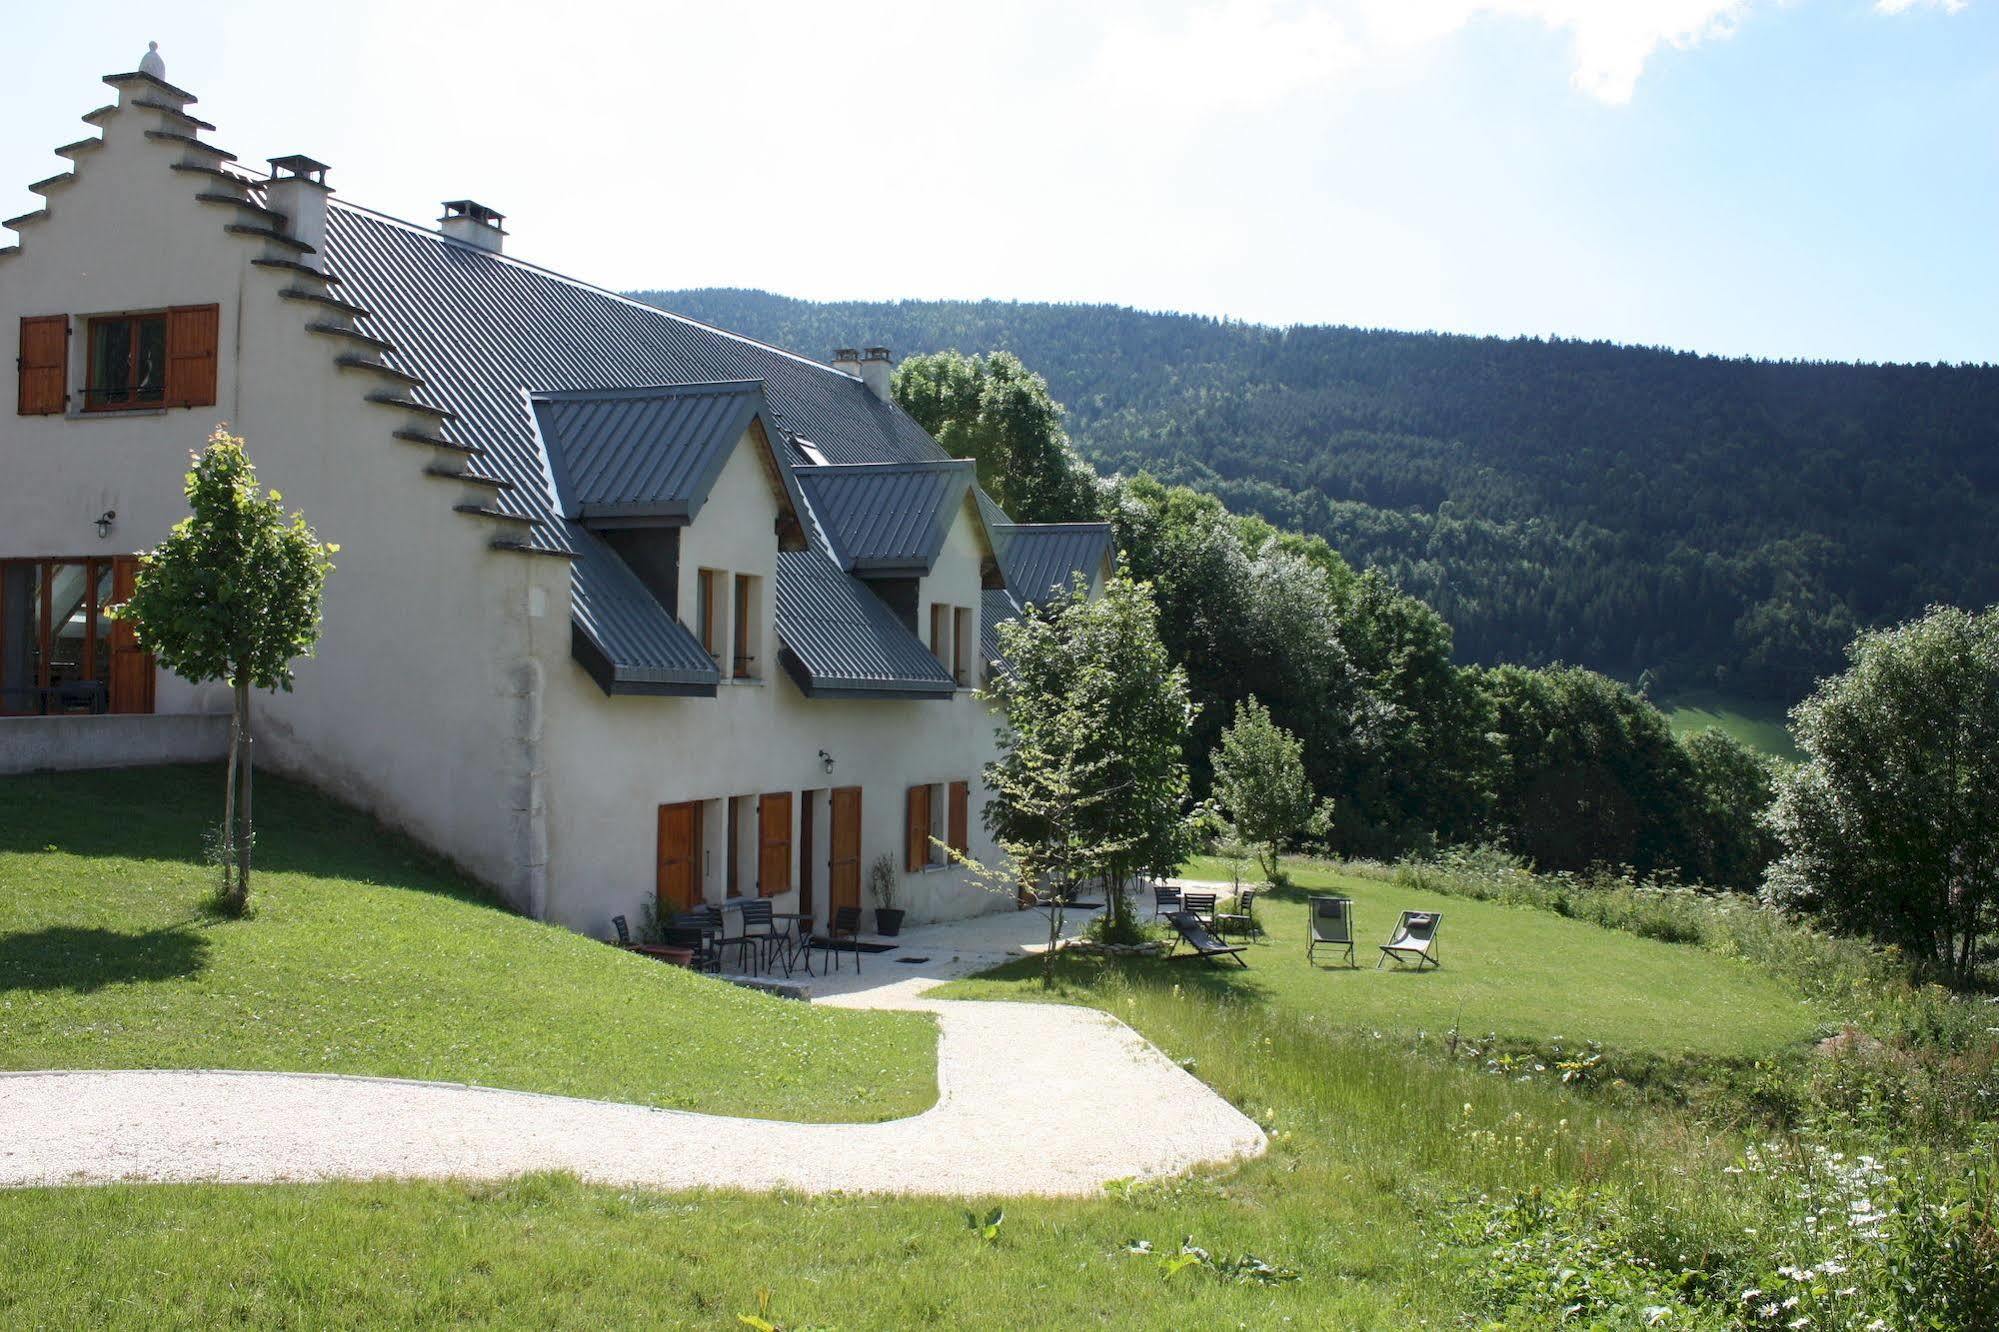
(166, 813)
(67, 957)
(1077, 973)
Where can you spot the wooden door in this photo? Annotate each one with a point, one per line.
(131, 669)
(679, 883)
(843, 863)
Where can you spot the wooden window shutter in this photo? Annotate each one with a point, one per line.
(192, 331)
(916, 847)
(131, 669)
(44, 365)
(961, 794)
(774, 844)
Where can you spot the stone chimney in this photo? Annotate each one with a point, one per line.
(473, 223)
(298, 189)
(847, 360)
(875, 367)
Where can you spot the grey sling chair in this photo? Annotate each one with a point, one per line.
(1414, 940)
(1332, 927)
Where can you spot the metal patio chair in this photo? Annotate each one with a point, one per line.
(1242, 920)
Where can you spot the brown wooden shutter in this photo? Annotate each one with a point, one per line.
(44, 364)
(961, 793)
(916, 846)
(131, 669)
(774, 844)
(192, 331)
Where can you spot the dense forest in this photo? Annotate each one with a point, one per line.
(1719, 523)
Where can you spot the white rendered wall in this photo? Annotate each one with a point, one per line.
(615, 760)
(413, 706)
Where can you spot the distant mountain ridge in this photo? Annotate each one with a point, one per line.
(1716, 522)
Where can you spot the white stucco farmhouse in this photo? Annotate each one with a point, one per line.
(626, 606)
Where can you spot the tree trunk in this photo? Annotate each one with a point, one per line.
(244, 828)
(226, 846)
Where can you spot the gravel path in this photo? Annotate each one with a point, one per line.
(1034, 1099)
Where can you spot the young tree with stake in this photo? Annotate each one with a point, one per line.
(232, 594)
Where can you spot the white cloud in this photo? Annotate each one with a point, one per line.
(1611, 40)
(1904, 6)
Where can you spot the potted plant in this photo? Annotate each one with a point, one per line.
(881, 887)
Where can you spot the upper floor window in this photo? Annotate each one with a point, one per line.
(962, 642)
(128, 363)
(149, 359)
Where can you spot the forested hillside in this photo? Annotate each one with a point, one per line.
(1719, 523)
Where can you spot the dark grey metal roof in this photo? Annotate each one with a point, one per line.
(624, 637)
(886, 517)
(483, 331)
(650, 452)
(1035, 557)
(841, 641)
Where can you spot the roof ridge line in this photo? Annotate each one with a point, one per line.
(917, 464)
(589, 286)
(642, 390)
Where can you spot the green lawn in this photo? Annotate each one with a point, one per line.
(1758, 723)
(1378, 1153)
(1371, 1148)
(363, 955)
(1515, 971)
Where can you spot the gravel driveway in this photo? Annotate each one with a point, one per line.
(1033, 1099)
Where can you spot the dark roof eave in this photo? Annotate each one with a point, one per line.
(834, 687)
(614, 679)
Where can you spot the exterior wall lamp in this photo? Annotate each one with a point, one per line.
(825, 761)
(104, 521)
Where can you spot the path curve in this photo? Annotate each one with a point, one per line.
(1033, 1099)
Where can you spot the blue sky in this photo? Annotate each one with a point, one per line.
(1787, 178)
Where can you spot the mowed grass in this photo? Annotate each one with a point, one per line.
(1370, 1147)
(1512, 971)
(364, 955)
(1757, 723)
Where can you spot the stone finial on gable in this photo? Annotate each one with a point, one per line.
(150, 63)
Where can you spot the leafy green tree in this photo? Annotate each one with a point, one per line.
(1588, 772)
(1891, 826)
(232, 594)
(995, 411)
(1260, 781)
(1729, 840)
(1092, 697)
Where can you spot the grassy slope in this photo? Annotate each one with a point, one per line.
(1760, 725)
(365, 956)
(1368, 1143)
(1511, 970)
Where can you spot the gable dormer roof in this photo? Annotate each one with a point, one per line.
(642, 452)
(886, 518)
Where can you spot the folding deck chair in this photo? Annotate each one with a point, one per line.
(1197, 936)
(1414, 940)
(1332, 927)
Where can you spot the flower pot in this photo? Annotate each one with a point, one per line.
(888, 921)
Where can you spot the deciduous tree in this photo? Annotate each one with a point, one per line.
(232, 594)
(1261, 783)
(1891, 826)
(1090, 694)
